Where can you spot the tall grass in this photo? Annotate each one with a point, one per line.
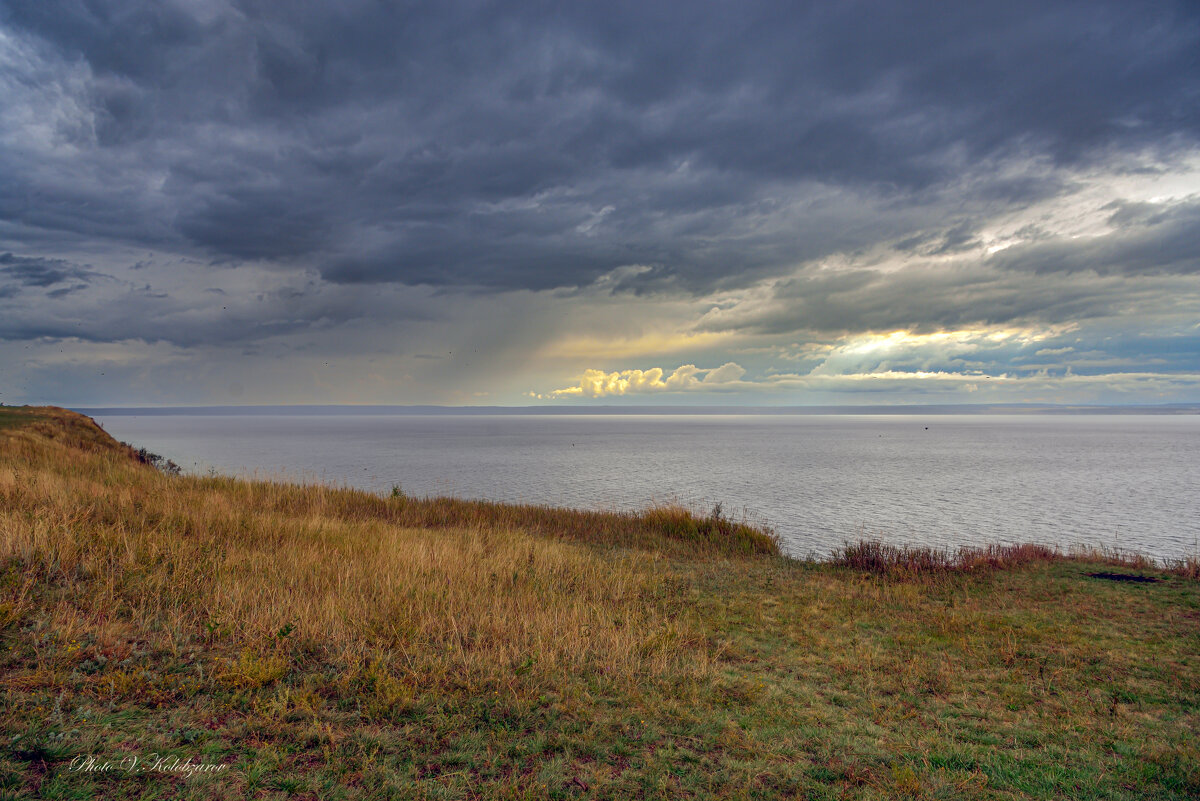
(448, 590)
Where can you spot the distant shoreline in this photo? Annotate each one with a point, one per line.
(931, 409)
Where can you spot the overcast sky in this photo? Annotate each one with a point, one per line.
(209, 202)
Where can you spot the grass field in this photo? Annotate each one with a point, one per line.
(261, 640)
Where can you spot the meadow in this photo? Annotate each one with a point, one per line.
(256, 639)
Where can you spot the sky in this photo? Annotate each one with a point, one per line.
(475, 203)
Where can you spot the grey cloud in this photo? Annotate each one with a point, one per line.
(937, 298)
(363, 138)
(64, 291)
(963, 236)
(33, 271)
(253, 223)
(959, 238)
(1148, 239)
(122, 311)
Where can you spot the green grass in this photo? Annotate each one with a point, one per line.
(18, 416)
(724, 673)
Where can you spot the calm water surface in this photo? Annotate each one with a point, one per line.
(1118, 481)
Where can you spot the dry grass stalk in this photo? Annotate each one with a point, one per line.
(459, 591)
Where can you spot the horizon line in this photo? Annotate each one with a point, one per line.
(364, 408)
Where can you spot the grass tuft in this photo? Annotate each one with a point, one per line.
(915, 562)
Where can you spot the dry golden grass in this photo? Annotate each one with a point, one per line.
(447, 591)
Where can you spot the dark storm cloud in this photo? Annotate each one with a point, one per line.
(42, 273)
(183, 317)
(527, 145)
(252, 223)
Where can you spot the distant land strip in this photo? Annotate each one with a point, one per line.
(930, 409)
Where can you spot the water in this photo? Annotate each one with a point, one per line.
(1116, 481)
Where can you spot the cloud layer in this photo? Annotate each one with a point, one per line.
(527, 193)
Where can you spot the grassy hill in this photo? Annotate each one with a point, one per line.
(166, 636)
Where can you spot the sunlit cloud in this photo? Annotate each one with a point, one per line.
(685, 378)
(992, 363)
(725, 374)
(944, 385)
(920, 352)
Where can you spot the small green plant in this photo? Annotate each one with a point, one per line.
(157, 461)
